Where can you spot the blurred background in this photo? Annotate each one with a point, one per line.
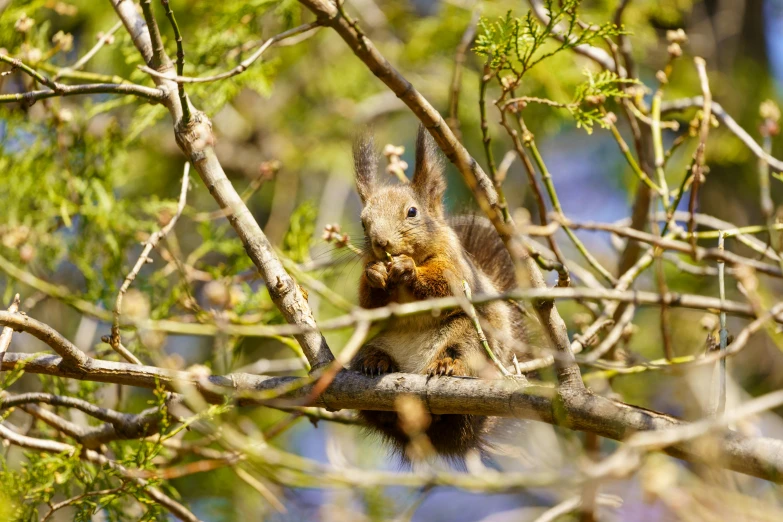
(84, 180)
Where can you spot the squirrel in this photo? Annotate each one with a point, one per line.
(414, 252)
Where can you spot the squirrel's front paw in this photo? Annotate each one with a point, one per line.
(376, 274)
(447, 366)
(402, 269)
(377, 363)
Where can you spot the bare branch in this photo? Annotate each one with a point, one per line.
(151, 243)
(118, 426)
(459, 62)
(159, 60)
(81, 62)
(71, 355)
(30, 97)
(572, 504)
(698, 160)
(680, 246)
(755, 456)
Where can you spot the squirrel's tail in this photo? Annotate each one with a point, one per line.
(481, 241)
(452, 436)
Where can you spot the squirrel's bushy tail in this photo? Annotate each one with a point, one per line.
(452, 436)
(481, 241)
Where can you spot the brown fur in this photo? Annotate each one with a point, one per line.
(416, 255)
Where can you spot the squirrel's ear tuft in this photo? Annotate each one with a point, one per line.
(429, 182)
(365, 163)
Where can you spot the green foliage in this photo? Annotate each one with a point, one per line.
(593, 93)
(299, 238)
(85, 180)
(519, 44)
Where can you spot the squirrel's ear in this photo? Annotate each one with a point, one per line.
(428, 180)
(365, 163)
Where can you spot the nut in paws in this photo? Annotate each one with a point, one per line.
(376, 274)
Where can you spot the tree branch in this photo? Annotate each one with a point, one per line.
(30, 97)
(759, 457)
(117, 426)
(8, 332)
(151, 243)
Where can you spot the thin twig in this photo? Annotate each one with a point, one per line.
(572, 504)
(643, 177)
(242, 67)
(486, 140)
(613, 336)
(456, 78)
(30, 97)
(183, 99)
(81, 62)
(720, 404)
(660, 279)
(729, 122)
(564, 277)
(159, 59)
(625, 42)
(704, 130)
(550, 188)
(151, 243)
(65, 503)
(471, 311)
(671, 244)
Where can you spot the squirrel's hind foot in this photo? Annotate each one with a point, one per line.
(447, 365)
(377, 362)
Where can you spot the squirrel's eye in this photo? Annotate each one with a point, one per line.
(412, 212)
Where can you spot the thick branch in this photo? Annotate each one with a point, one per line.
(760, 457)
(117, 425)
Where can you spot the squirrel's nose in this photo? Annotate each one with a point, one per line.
(381, 243)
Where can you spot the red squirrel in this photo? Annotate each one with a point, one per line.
(413, 252)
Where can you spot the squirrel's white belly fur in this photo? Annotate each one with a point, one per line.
(413, 347)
